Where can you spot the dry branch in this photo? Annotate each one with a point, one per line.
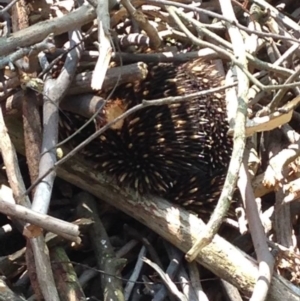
(36, 33)
(65, 276)
(105, 256)
(62, 228)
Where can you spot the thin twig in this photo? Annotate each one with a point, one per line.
(167, 281)
(104, 44)
(39, 31)
(264, 257)
(106, 258)
(238, 138)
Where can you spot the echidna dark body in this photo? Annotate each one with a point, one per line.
(170, 150)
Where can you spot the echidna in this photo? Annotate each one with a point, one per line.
(173, 150)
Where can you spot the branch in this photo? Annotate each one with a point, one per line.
(37, 32)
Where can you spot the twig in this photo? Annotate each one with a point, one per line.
(46, 44)
(42, 194)
(121, 75)
(227, 19)
(10, 264)
(65, 276)
(277, 15)
(257, 63)
(253, 43)
(20, 20)
(231, 291)
(272, 121)
(135, 39)
(144, 24)
(196, 281)
(264, 257)
(9, 5)
(146, 241)
(276, 26)
(104, 40)
(54, 225)
(11, 164)
(31, 122)
(88, 274)
(42, 263)
(280, 93)
(135, 274)
(37, 32)
(176, 258)
(187, 286)
(282, 212)
(106, 259)
(205, 53)
(52, 98)
(239, 140)
(7, 293)
(81, 85)
(167, 281)
(32, 132)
